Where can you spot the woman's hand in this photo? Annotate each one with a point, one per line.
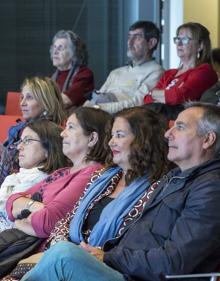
(96, 252)
(22, 203)
(19, 204)
(25, 226)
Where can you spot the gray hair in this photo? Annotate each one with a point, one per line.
(76, 45)
(210, 121)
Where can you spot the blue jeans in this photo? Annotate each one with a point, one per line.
(67, 262)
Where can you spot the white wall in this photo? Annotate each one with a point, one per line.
(172, 18)
(176, 19)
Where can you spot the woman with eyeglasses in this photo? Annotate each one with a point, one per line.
(40, 98)
(193, 76)
(39, 153)
(69, 56)
(36, 210)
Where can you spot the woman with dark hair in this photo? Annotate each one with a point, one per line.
(36, 211)
(83, 145)
(69, 55)
(194, 74)
(40, 98)
(116, 195)
(39, 153)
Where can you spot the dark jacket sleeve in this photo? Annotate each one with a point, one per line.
(210, 95)
(194, 236)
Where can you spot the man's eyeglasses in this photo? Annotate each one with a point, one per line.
(26, 141)
(181, 40)
(135, 36)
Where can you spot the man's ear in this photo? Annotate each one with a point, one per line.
(93, 138)
(209, 140)
(152, 42)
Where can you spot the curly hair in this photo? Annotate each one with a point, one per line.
(77, 46)
(148, 151)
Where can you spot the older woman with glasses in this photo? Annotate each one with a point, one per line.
(69, 56)
(39, 153)
(194, 74)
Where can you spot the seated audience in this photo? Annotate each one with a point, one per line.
(69, 56)
(179, 228)
(50, 200)
(212, 95)
(194, 75)
(116, 195)
(127, 85)
(39, 153)
(40, 97)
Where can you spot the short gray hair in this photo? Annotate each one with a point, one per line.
(210, 121)
(76, 45)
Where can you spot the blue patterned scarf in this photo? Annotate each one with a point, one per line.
(113, 214)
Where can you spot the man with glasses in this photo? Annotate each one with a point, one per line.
(127, 85)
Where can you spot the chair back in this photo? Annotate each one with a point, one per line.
(6, 121)
(12, 106)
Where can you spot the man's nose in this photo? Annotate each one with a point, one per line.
(167, 133)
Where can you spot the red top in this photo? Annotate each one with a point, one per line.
(83, 83)
(187, 86)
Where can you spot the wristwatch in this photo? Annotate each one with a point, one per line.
(29, 204)
(96, 106)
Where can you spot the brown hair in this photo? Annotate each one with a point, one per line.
(148, 154)
(200, 35)
(49, 135)
(47, 94)
(94, 120)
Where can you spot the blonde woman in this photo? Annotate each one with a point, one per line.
(40, 97)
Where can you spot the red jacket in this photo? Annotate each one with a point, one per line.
(83, 83)
(187, 86)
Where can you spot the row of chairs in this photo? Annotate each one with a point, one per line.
(12, 113)
(12, 106)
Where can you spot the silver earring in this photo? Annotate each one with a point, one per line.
(198, 55)
(45, 113)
